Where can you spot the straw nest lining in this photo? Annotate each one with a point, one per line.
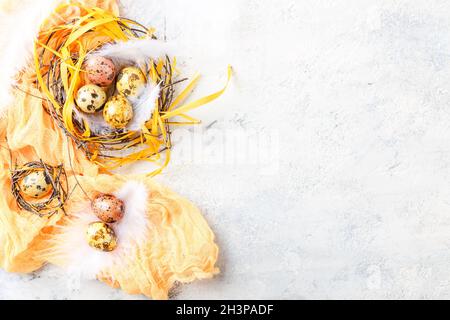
(51, 204)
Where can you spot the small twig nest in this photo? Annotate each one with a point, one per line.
(50, 204)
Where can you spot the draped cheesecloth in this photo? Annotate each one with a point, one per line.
(180, 246)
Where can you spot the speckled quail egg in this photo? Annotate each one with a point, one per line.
(100, 236)
(100, 70)
(90, 98)
(118, 112)
(130, 82)
(36, 185)
(108, 208)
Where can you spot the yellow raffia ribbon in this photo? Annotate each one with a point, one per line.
(200, 102)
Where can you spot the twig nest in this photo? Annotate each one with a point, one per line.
(100, 236)
(90, 98)
(100, 70)
(118, 112)
(36, 185)
(130, 81)
(108, 208)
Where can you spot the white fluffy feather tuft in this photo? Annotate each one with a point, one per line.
(84, 262)
(134, 225)
(19, 25)
(137, 51)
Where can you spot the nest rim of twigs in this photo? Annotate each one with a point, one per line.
(49, 204)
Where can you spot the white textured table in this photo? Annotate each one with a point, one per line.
(354, 199)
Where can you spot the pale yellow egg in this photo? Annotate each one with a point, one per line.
(101, 236)
(35, 185)
(90, 98)
(130, 82)
(118, 112)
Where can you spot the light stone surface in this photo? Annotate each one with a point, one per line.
(348, 105)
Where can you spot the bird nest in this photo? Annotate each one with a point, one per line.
(59, 56)
(49, 205)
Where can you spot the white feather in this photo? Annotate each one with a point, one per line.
(95, 121)
(134, 225)
(136, 51)
(143, 106)
(84, 262)
(19, 25)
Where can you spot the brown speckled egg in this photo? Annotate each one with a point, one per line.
(100, 236)
(130, 81)
(118, 112)
(100, 70)
(90, 98)
(35, 185)
(108, 208)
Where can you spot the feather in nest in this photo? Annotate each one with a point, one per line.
(143, 106)
(137, 51)
(83, 262)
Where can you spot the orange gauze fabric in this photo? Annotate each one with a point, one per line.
(180, 246)
(21, 233)
(29, 134)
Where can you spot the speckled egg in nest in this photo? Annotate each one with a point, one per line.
(130, 81)
(36, 184)
(100, 70)
(118, 112)
(90, 98)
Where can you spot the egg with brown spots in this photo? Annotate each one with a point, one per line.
(100, 70)
(118, 112)
(108, 208)
(100, 236)
(90, 98)
(36, 185)
(130, 82)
